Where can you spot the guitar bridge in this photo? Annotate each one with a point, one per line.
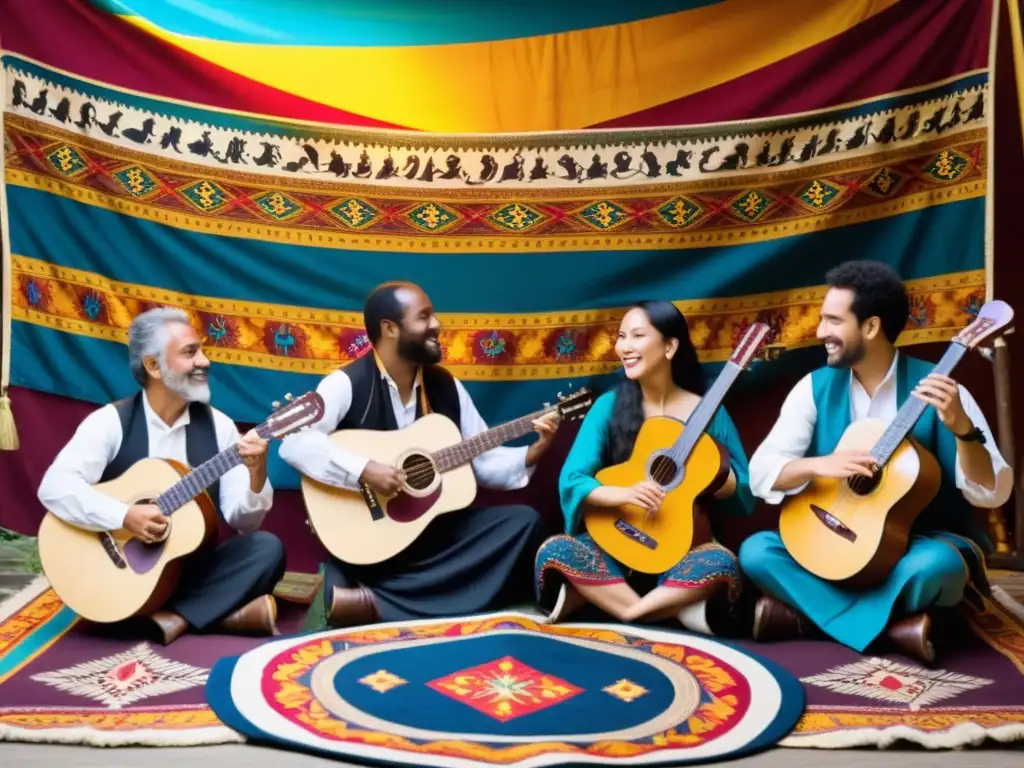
(110, 547)
(833, 524)
(372, 502)
(635, 534)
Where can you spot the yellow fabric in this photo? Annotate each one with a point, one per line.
(589, 76)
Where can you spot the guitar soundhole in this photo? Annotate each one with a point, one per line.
(663, 470)
(419, 471)
(861, 485)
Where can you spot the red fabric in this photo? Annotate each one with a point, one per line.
(908, 45)
(76, 37)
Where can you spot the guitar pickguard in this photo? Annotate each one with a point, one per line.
(635, 534)
(833, 523)
(405, 508)
(142, 557)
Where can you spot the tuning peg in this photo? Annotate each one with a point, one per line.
(288, 397)
(276, 404)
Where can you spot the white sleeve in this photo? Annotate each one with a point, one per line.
(66, 489)
(243, 510)
(787, 441)
(978, 495)
(311, 451)
(501, 468)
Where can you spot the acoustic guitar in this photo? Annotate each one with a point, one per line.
(853, 531)
(364, 527)
(109, 576)
(684, 460)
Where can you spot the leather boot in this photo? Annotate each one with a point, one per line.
(170, 626)
(257, 617)
(352, 607)
(913, 636)
(774, 620)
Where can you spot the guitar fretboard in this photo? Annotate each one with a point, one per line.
(912, 409)
(704, 412)
(464, 452)
(198, 480)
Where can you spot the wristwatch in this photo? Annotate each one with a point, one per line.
(975, 435)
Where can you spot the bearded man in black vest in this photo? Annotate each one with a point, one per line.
(229, 588)
(463, 562)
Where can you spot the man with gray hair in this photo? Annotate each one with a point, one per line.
(229, 588)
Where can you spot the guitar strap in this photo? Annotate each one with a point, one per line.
(423, 406)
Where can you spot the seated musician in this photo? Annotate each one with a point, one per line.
(663, 378)
(464, 561)
(863, 313)
(226, 589)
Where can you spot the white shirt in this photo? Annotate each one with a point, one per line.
(66, 489)
(792, 433)
(313, 454)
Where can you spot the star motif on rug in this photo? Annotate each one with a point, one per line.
(505, 688)
(124, 678)
(885, 680)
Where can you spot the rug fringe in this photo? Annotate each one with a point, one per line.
(89, 737)
(1006, 600)
(960, 735)
(23, 597)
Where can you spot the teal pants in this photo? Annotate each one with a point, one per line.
(931, 574)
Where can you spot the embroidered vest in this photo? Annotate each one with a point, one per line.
(949, 511)
(371, 400)
(200, 439)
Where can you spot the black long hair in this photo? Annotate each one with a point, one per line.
(687, 373)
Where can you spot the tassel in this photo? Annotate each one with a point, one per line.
(8, 430)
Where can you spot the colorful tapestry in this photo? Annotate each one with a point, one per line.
(161, 153)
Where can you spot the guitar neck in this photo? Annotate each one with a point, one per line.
(464, 452)
(912, 409)
(198, 480)
(701, 417)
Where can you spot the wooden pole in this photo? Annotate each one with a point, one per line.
(1004, 408)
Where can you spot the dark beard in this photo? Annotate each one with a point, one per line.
(415, 350)
(849, 357)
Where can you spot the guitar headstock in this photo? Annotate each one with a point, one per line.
(750, 344)
(993, 318)
(575, 406)
(295, 415)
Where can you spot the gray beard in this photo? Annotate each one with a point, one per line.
(184, 387)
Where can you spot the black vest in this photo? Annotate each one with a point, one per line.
(200, 439)
(371, 400)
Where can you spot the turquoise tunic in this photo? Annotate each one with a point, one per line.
(575, 556)
(946, 548)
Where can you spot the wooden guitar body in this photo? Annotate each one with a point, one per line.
(344, 521)
(856, 539)
(655, 544)
(108, 577)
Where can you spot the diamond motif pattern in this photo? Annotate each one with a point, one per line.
(67, 161)
(206, 196)
(432, 217)
(516, 217)
(949, 165)
(116, 681)
(136, 181)
(680, 212)
(354, 213)
(626, 690)
(505, 688)
(604, 215)
(883, 182)
(751, 205)
(279, 206)
(382, 681)
(819, 194)
(885, 680)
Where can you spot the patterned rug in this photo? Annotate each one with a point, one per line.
(507, 690)
(65, 681)
(62, 682)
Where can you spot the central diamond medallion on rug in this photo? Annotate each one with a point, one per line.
(505, 688)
